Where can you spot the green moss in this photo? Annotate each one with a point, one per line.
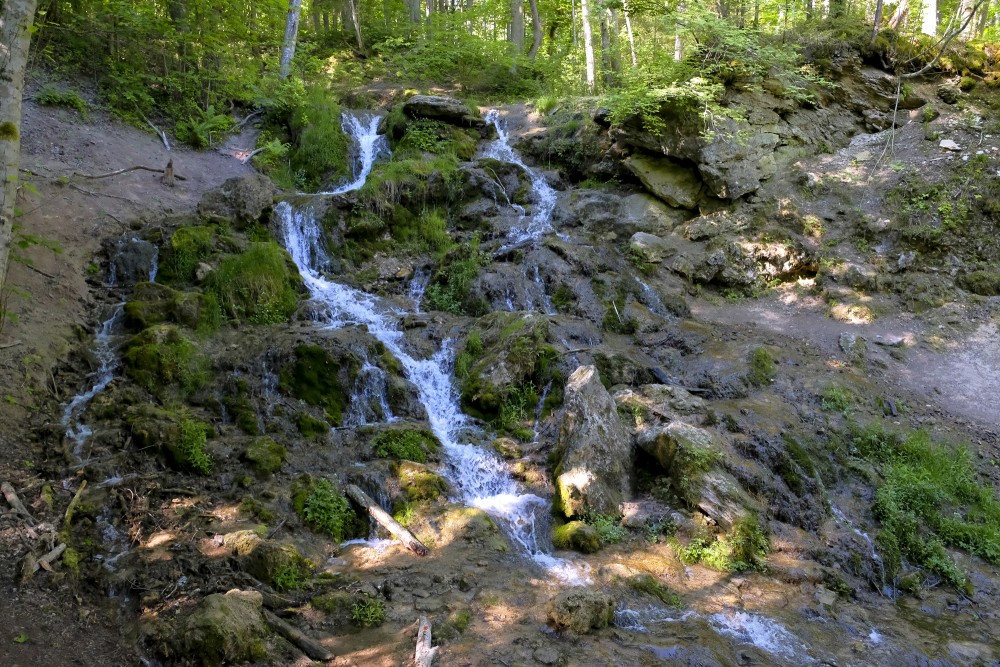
(154, 303)
(324, 508)
(313, 378)
(563, 298)
(309, 426)
(265, 456)
(762, 367)
(278, 565)
(71, 560)
(984, 283)
(337, 605)
(256, 509)
(8, 131)
(189, 452)
(410, 444)
(243, 413)
(616, 322)
(419, 483)
(650, 585)
(187, 247)
(259, 285)
(578, 536)
(450, 287)
(836, 398)
(161, 357)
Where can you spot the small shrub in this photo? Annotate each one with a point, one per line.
(762, 367)
(187, 247)
(409, 444)
(836, 399)
(608, 528)
(323, 507)
(320, 151)
(450, 288)
(51, 96)
(190, 450)
(289, 576)
(368, 611)
(203, 128)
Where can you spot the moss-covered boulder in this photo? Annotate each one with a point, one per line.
(154, 303)
(984, 283)
(162, 358)
(278, 565)
(581, 610)
(578, 536)
(412, 444)
(315, 377)
(419, 483)
(242, 542)
(471, 525)
(187, 247)
(175, 434)
(225, 628)
(650, 585)
(265, 456)
(260, 285)
(336, 605)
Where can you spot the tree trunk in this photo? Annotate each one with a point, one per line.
(588, 45)
(355, 493)
(16, 18)
(878, 19)
(291, 35)
(628, 31)
(964, 18)
(536, 29)
(414, 7)
(928, 25)
(605, 48)
(899, 17)
(356, 21)
(516, 35)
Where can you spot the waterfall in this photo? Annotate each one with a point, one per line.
(367, 143)
(368, 404)
(540, 222)
(418, 285)
(652, 299)
(479, 477)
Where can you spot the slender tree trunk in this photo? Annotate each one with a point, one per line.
(628, 31)
(536, 29)
(588, 45)
(616, 39)
(984, 15)
(605, 49)
(928, 25)
(899, 17)
(356, 21)
(291, 35)
(516, 36)
(878, 20)
(16, 17)
(414, 6)
(966, 10)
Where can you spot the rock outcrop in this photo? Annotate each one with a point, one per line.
(446, 109)
(242, 200)
(581, 610)
(593, 474)
(677, 185)
(225, 628)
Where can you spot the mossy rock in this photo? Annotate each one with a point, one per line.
(309, 426)
(187, 247)
(472, 525)
(175, 434)
(242, 542)
(153, 303)
(261, 285)
(314, 377)
(162, 357)
(411, 444)
(984, 283)
(336, 605)
(581, 610)
(508, 448)
(278, 565)
(225, 628)
(265, 456)
(453, 627)
(578, 536)
(650, 585)
(419, 483)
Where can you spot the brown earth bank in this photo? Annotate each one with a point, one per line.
(854, 323)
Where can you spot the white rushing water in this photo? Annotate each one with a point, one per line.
(368, 145)
(761, 632)
(368, 403)
(540, 221)
(481, 478)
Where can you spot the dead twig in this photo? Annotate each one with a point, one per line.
(68, 519)
(11, 495)
(99, 194)
(32, 564)
(240, 125)
(118, 172)
(250, 155)
(38, 270)
(13, 343)
(159, 132)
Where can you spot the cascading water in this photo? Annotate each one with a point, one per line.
(368, 404)
(545, 197)
(481, 479)
(418, 285)
(362, 128)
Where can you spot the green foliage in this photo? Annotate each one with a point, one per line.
(762, 367)
(190, 450)
(323, 507)
(265, 456)
(257, 286)
(836, 398)
(743, 548)
(313, 378)
(310, 427)
(930, 499)
(563, 298)
(650, 585)
(409, 444)
(616, 322)
(368, 612)
(187, 247)
(320, 147)
(8, 131)
(450, 287)
(53, 97)
(203, 128)
(608, 528)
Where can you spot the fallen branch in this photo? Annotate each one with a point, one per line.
(424, 655)
(387, 522)
(137, 167)
(68, 519)
(30, 565)
(13, 343)
(312, 648)
(100, 194)
(575, 350)
(161, 133)
(37, 270)
(11, 495)
(250, 155)
(944, 41)
(253, 114)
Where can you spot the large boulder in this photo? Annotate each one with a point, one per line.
(663, 443)
(650, 248)
(675, 184)
(581, 610)
(225, 628)
(241, 200)
(593, 474)
(133, 260)
(447, 109)
(649, 214)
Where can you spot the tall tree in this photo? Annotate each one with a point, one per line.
(929, 23)
(516, 36)
(536, 29)
(291, 35)
(16, 18)
(588, 45)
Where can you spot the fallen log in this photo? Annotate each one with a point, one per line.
(386, 521)
(11, 495)
(312, 648)
(32, 564)
(118, 172)
(424, 655)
